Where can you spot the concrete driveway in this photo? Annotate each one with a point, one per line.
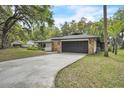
(34, 71)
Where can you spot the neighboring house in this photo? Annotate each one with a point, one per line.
(75, 43)
(31, 43)
(16, 44)
(48, 45)
(45, 44)
(40, 43)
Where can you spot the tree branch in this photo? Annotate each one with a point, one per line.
(2, 23)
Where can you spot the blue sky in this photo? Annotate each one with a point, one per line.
(75, 12)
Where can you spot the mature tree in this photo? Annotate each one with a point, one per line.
(45, 33)
(18, 33)
(116, 24)
(53, 32)
(82, 25)
(73, 27)
(105, 31)
(23, 14)
(114, 28)
(97, 29)
(119, 15)
(65, 28)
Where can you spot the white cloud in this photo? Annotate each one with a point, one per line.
(73, 7)
(92, 13)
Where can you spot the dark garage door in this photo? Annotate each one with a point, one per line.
(75, 46)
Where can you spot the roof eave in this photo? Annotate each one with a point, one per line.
(73, 38)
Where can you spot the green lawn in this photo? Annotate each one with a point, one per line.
(15, 53)
(94, 71)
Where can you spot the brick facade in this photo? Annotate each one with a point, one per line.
(56, 46)
(91, 46)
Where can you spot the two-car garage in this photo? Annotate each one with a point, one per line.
(75, 46)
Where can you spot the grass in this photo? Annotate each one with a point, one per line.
(16, 53)
(93, 71)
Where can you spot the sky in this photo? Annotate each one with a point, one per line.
(62, 13)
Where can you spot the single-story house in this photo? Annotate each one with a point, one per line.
(48, 45)
(75, 43)
(45, 44)
(16, 44)
(31, 43)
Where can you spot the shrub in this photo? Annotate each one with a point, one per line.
(40, 48)
(110, 48)
(32, 48)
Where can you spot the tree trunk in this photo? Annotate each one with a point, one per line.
(113, 46)
(113, 49)
(116, 46)
(105, 31)
(122, 45)
(6, 28)
(3, 43)
(4, 39)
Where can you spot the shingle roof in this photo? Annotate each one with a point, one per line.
(74, 37)
(48, 40)
(43, 41)
(17, 42)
